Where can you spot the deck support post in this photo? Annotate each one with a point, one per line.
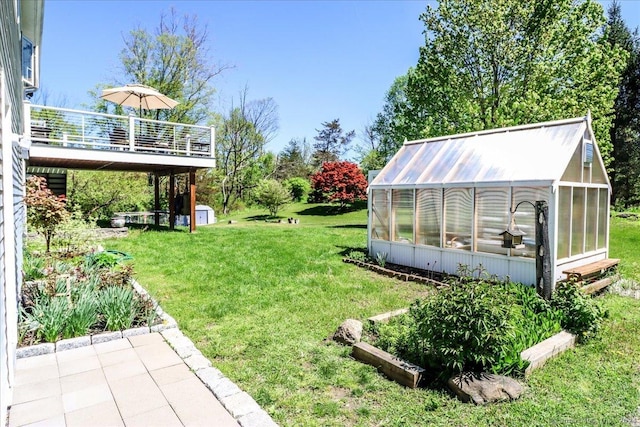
(156, 196)
(543, 251)
(172, 201)
(192, 205)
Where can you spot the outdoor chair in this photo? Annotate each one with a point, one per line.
(118, 137)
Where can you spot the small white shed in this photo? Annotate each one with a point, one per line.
(204, 215)
(446, 201)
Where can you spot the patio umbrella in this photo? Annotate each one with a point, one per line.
(138, 96)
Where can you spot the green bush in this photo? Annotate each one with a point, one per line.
(471, 325)
(465, 325)
(533, 320)
(582, 314)
(271, 195)
(400, 337)
(298, 187)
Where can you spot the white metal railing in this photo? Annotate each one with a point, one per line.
(83, 129)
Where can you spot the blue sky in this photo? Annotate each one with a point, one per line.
(319, 60)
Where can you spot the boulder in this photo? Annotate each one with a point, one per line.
(481, 388)
(349, 332)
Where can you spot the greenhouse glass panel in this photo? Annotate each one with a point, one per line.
(429, 215)
(592, 219)
(397, 164)
(458, 217)
(492, 209)
(573, 173)
(416, 166)
(577, 221)
(602, 218)
(525, 216)
(438, 170)
(564, 222)
(380, 210)
(402, 214)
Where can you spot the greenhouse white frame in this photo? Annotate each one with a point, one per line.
(443, 202)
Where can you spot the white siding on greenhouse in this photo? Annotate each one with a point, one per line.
(443, 202)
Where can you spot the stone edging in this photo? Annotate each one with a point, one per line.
(242, 407)
(392, 273)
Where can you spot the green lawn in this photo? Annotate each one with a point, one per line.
(259, 299)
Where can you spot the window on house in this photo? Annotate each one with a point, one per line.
(28, 60)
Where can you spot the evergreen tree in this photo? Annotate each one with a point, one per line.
(331, 142)
(625, 132)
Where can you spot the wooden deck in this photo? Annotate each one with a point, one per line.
(590, 270)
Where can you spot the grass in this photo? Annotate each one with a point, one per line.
(259, 299)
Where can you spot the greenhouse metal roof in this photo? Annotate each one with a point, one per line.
(532, 153)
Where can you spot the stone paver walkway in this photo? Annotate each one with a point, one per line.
(134, 381)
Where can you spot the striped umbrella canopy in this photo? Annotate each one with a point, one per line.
(138, 96)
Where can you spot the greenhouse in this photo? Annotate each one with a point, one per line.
(473, 200)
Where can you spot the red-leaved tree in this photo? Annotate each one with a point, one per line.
(45, 211)
(341, 182)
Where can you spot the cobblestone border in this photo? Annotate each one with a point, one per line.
(242, 407)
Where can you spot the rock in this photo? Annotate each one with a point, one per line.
(484, 387)
(349, 332)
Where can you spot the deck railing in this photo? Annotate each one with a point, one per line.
(97, 131)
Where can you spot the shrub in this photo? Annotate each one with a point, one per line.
(45, 211)
(465, 325)
(582, 314)
(272, 195)
(341, 182)
(299, 188)
(400, 337)
(472, 325)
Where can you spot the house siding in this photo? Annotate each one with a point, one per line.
(12, 210)
(11, 59)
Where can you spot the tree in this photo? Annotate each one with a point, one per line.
(488, 64)
(99, 194)
(625, 131)
(298, 188)
(294, 160)
(331, 142)
(46, 212)
(341, 182)
(272, 195)
(368, 154)
(245, 131)
(174, 59)
(395, 122)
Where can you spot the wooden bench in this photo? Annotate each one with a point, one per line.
(593, 269)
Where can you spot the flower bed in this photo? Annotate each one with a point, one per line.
(85, 295)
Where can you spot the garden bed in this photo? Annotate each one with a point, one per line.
(401, 272)
(84, 296)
